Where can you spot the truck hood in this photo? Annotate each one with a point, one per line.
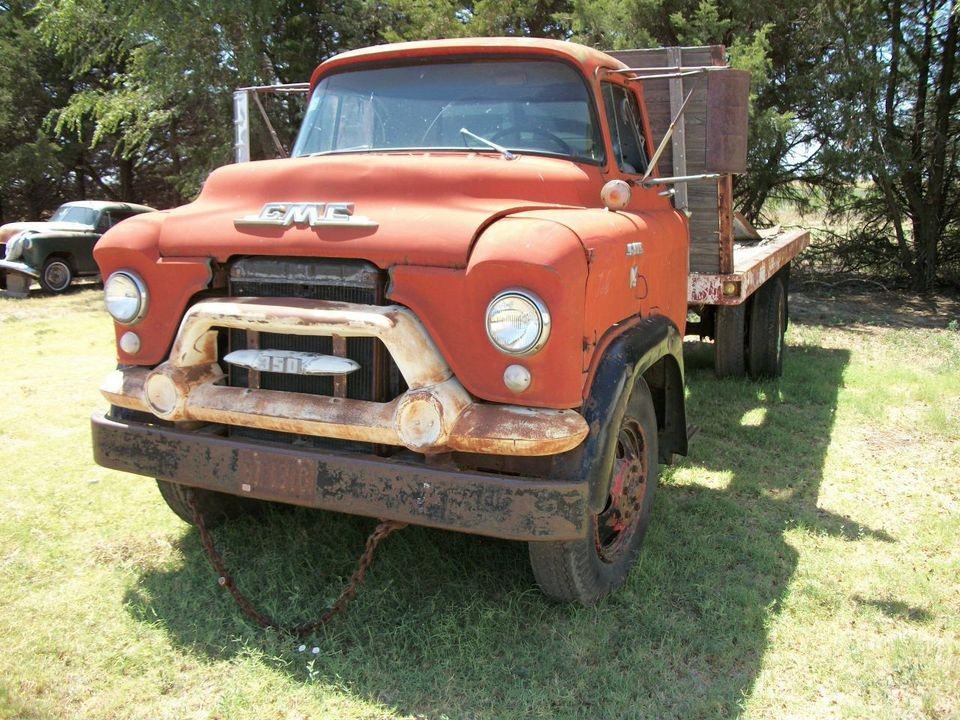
(420, 209)
(10, 229)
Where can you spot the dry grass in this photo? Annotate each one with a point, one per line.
(802, 562)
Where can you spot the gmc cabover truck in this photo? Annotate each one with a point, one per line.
(460, 303)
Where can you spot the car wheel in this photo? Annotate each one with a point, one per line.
(585, 570)
(56, 275)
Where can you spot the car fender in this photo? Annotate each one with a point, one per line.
(650, 348)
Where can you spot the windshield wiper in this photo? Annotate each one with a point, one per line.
(507, 155)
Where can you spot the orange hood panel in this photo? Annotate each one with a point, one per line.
(428, 207)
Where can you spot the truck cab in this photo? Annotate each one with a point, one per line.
(460, 303)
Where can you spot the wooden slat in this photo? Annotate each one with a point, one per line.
(725, 205)
(702, 198)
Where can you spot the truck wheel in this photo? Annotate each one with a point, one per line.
(768, 323)
(56, 275)
(586, 570)
(216, 507)
(728, 335)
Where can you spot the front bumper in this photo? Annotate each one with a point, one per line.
(18, 267)
(435, 415)
(411, 492)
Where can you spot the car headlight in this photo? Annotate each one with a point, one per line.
(126, 297)
(518, 322)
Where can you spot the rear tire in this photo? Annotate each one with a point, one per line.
(729, 337)
(585, 570)
(215, 507)
(56, 275)
(768, 323)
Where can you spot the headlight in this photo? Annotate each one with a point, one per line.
(518, 322)
(126, 297)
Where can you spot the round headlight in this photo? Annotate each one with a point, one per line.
(126, 297)
(518, 322)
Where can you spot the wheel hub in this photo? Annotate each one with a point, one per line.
(617, 522)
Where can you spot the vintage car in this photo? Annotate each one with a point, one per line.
(57, 251)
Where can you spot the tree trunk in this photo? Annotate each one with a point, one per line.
(126, 180)
(926, 240)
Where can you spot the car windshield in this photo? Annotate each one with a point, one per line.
(74, 214)
(538, 106)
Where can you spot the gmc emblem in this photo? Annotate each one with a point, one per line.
(285, 214)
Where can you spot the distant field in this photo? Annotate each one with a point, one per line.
(803, 562)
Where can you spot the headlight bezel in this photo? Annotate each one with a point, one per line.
(537, 305)
(142, 296)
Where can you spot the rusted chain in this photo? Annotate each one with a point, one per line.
(225, 579)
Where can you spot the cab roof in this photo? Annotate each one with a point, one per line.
(585, 57)
(108, 205)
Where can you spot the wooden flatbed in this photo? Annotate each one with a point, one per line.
(753, 264)
(722, 271)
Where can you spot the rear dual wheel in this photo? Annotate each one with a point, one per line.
(585, 570)
(748, 338)
(768, 323)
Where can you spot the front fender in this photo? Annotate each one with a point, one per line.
(650, 348)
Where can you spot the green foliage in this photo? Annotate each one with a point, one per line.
(704, 26)
(890, 114)
(31, 173)
(131, 99)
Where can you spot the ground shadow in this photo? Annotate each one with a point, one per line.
(849, 308)
(453, 626)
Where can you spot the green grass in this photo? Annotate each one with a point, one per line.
(802, 563)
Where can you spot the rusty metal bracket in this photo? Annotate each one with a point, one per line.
(225, 579)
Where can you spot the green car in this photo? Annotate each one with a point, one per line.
(61, 249)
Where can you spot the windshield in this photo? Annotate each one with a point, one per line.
(82, 215)
(538, 106)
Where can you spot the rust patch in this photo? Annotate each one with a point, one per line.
(752, 268)
(435, 415)
(505, 507)
(503, 430)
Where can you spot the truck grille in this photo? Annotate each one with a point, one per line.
(353, 281)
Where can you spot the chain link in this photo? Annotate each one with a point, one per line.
(225, 579)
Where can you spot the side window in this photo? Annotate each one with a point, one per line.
(626, 130)
(103, 223)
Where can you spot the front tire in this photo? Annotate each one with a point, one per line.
(215, 507)
(56, 275)
(586, 570)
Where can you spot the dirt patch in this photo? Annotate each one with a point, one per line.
(860, 304)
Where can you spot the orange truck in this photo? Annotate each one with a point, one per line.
(459, 303)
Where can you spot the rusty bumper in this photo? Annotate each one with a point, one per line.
(435, 415)
(472, 502)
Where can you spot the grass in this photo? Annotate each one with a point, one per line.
(802, 562)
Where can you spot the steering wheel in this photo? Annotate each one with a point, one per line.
(517, 132)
